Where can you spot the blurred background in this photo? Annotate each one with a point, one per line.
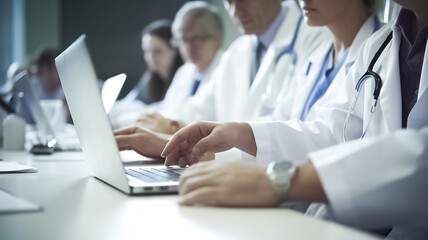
(113, 28)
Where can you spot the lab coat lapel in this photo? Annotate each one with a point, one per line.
(311, 73)
(390, 95)
(241, 83)
(283, 38)
(423, 85)
(418, 117)
(365, 32)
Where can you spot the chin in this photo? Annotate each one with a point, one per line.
(313, 22)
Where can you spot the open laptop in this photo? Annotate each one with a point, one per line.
(49, 140)
(111, 89)
(96, 136)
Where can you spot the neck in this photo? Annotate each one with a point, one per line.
(204, 66)
(345, 28)
(274, 14)
(164, 75)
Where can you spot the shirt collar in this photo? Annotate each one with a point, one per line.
(404, 23)
(267, 37)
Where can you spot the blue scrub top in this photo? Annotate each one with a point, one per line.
(324, 79)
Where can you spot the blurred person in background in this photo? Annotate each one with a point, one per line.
(162, 61)
(198, 34)
(276, 41)
(45, 82)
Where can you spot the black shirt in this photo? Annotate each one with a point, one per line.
(411, 58)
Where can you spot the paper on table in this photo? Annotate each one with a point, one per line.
(14, 167)
(12, 204)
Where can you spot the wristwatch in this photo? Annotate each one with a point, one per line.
(280, 175)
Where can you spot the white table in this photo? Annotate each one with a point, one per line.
(78, 206)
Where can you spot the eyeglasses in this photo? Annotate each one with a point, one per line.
(196, 40)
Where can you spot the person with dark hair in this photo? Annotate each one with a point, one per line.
(162, 59)
(198, 34)
(49, 86)
(45, 82)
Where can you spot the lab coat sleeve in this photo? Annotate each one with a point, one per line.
(234, 154)
(290, 141)
(378, 182)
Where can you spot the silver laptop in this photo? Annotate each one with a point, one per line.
(49, 140)
(96, 136)
(111, 89)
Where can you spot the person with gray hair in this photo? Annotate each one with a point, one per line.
(198, 33)
(199, 22)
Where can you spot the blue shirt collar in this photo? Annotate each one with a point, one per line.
(267, 37)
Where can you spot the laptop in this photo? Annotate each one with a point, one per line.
(49, 140)
(96, 136)
(111, 89)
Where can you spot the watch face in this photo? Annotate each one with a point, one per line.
(282, 166)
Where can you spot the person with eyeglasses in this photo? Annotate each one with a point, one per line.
(197, 32)
(378, 182)
(276, 40)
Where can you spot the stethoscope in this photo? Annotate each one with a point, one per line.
(370, 74)
(268, 100)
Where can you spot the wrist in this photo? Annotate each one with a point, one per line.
(160, 141)
(306, 185)
(244, 139)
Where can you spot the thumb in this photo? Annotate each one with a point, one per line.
(206, 144)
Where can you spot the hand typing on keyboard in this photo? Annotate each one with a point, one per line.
(141, 140)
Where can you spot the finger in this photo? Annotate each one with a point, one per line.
(182, 162)
(125, 131)
(180, 136)
(206, 144)
(201, 168)
(191, 173)
(204, 195)
(172, 159)
(128, 142)
(175, 141)
(175, 156)
(192, 160)
(195, 182)
(125, 141)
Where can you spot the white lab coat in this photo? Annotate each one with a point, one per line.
(292, 140)
(230, 97)
(291, 108)
(178, 93)
(378, 183)
(406, 151)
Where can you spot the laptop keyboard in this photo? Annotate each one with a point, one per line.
(151, 175)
